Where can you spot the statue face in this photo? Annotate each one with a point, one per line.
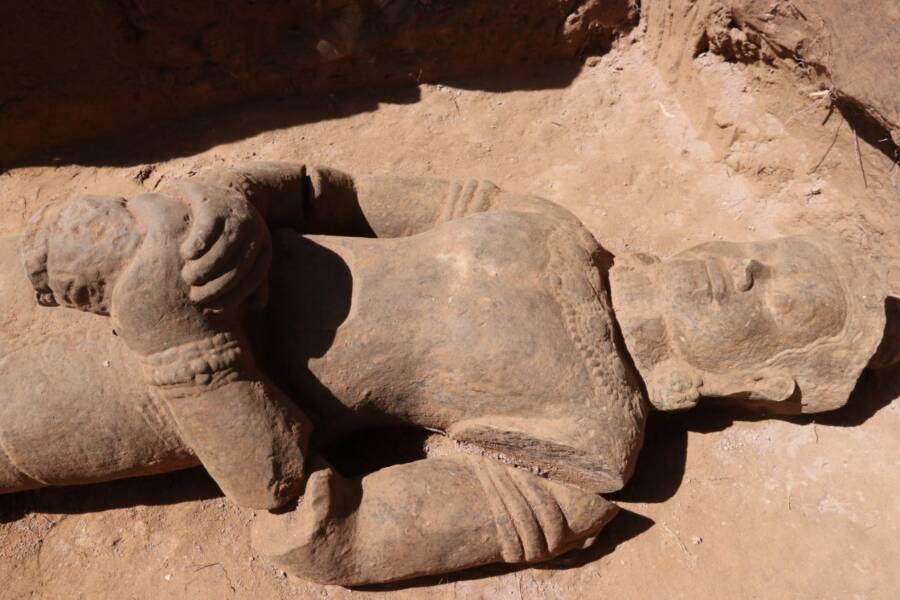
(790, 322)
(739, 304)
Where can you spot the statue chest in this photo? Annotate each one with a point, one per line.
(496, 326)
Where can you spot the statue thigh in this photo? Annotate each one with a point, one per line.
(74, 410)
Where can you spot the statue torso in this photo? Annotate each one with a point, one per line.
(495, 328)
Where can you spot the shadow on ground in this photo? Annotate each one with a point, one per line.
(192, 135)
(157, 490)
(874, 391)
(661, 465)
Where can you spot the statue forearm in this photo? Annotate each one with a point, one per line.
(277, 190)
(325, 201)
(388, 206)
(197, 361)
(250, 437)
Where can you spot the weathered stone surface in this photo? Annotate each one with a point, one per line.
(426, 517)
(480, 315)
(792, 322)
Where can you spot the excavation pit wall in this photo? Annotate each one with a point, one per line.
(75, 72)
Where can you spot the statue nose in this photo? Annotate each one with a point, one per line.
(744, 273)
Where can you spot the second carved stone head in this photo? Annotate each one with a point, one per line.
(789, 323)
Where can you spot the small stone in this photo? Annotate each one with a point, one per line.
(696, 539)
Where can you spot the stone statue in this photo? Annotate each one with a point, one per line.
(483, 316)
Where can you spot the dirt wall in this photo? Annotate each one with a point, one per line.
(74, 71)
(848, 49)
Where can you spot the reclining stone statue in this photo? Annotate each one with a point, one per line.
(483, 316)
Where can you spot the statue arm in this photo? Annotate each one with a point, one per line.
(388, 206)
(198, 363)
(231, 208)
(325, 201)
(245, 431)
(125, 259)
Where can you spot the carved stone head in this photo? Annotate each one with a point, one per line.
(124, 259)
(74, 250)
(792, 321)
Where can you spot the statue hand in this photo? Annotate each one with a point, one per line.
(227, 248)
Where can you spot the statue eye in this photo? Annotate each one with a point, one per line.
(781, 304)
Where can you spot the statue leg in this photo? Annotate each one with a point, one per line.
(431, 516)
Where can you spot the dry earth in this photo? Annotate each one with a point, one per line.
(723, 505)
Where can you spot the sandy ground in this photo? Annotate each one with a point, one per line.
(722, 506)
